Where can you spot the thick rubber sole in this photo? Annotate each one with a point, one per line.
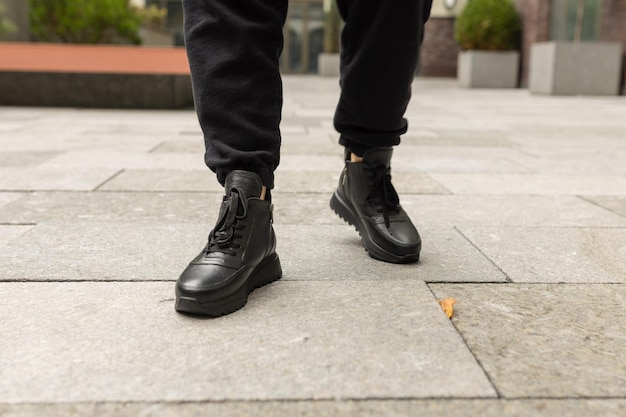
(268, 271)
(344, 210)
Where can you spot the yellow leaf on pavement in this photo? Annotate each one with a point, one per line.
(447, 304)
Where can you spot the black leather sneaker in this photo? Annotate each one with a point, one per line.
(240, 254)
(367, 200)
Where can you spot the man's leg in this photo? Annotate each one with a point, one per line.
(380, 49)
(234, 48)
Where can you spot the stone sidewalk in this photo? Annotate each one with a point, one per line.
(520, 200)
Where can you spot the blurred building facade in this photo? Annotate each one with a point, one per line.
(543, 20)
(303, 31)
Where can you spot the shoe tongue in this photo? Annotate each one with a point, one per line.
(247, 182)
(378, 156)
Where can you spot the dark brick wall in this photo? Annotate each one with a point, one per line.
(613, 27)
(439, 51)
(535, 15)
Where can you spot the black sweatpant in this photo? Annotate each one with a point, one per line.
(234, 48)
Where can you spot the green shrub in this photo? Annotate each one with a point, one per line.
(84, 21)
(6, 26)
(153, 15)
(492, 25)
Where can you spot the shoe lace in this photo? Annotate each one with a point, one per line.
(383, 193)
(224, 237)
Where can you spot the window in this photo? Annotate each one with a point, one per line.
(303, 34)
(565, 17)
(174, 20)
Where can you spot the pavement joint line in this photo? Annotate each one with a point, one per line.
(552, 283)
(506, 276)
(156, 147)
(47, 190)
(322, 400)
(448, 190)
(80, 280)
(469, 349)
(587, 200)
(468, 282)
(549, 226)
(285, 279)
(112, 177)
(100, 191)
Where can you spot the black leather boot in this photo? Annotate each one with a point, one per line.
(239, 256)
(367, 200)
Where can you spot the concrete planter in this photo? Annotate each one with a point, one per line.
(328, 64)
(488, 69)
(568, 68)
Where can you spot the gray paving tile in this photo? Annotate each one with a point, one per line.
(325, 182)
(16, 112)
(59, 139)
(9, 233)
(315, 113)
(539, 184)
(23, 114)
(616, 204)
(164, 180)
(193, 145)
(115, 120)
(81, 342)
(335, 253)
(572, 134)
(286, 181)
(590, 160)
(305, 84)
(119, 159)
(551, 255)
(364, 408)
(312, 163)
(172, 207)
(23, 159)
(405, 154)
(151, 207)
(318, 147)
(437, 208)
(418, 159)
(494, 189)
(101, 251)
(303, 209)
(317, 141)
(295, 139)
(457, 137)
(8, 126)
(458, 159)
(545, 340)
(6, 198)
(294, 127)
(508, 210)
(140, 251)
(53, 178)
